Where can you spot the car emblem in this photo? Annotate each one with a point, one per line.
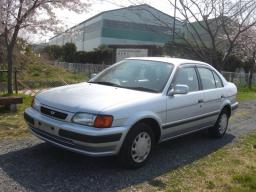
(52, 113)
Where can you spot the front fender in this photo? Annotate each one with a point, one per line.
(131, 121)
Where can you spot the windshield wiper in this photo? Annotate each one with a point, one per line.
(105, 83)
(143, 89)
(116, 85)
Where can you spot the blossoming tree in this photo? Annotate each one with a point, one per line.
(30, 15)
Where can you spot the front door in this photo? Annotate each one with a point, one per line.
(183, 110)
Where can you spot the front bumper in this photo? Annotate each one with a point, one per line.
(77, 138)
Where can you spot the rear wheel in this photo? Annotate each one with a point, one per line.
(137, 147)
(220, 128)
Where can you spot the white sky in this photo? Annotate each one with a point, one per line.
(70, 19)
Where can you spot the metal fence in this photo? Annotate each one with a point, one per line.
(240, 79)
(82, 68)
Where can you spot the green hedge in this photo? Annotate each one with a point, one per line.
(69, 53)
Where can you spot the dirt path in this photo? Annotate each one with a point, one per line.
(30, 165)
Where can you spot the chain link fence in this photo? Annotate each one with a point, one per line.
(82, 68)
(240, 79)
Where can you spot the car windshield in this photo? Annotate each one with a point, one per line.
(142, 75)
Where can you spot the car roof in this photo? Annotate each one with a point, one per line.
(175, 61)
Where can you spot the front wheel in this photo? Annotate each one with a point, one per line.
(220, 128)
(137, 146)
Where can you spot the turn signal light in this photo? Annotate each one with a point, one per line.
(103, 121)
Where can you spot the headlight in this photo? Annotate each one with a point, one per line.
(36, 104)
(84, 119)
(98, 121)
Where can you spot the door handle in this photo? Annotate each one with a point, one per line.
(200, 101)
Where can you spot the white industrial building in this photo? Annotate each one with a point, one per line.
(132, 27)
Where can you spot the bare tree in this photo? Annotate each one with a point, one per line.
(212, 26)
(240, 18)
(30, 15)
(202, 26)
(215, 25)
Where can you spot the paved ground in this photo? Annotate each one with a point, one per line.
(31, 165)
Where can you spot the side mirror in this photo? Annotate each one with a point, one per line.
(93, 75)
(179, 90)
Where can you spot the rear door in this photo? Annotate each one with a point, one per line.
(211, 95)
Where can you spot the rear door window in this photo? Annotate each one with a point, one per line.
(207, 78)
(218, 80)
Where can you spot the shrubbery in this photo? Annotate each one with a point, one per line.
(69, 53)
(55, 52)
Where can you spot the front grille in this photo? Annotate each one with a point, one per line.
(53, 113)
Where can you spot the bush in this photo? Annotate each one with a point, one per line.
(81, 57)
(102, 54)
(233, 62)
(68, 53)
(54, 51)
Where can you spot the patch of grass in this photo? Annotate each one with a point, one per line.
(157, 183)
(229, 169)
(210, 184)
(13, 124)
(245, 181)
(39, 72)
(244, 93)
(38, 76)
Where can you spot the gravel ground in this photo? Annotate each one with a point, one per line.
(27, 164)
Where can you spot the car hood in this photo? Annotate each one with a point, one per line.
(91, 98)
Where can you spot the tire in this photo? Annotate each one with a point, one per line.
(220, 127)
(136, 150)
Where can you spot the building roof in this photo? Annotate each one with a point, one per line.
(109, 11)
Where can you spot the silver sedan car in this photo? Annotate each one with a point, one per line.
(133, 105)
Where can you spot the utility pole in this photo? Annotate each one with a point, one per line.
(174, 22)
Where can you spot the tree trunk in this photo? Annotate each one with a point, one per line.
(214, 56)
(252, 70)
(10, 70)
(10, 47)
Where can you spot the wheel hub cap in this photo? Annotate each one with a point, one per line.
(223, 124)
(141, 147)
